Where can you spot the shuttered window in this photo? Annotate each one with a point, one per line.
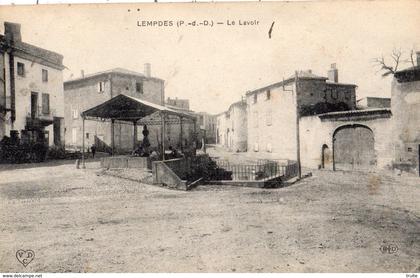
(44, 75)
(21, 69)
(139, 87)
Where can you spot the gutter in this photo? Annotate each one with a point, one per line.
(12, 86)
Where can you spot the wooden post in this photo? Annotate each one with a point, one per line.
(163, 135)
(134, 135)
(204, 141)
(299, 170)
(112, 137)
(195, 133)
(83, 143)
(181, 135)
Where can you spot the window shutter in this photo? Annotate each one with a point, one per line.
(45, 103)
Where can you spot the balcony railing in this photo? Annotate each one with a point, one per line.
(38, 118)
(39, 113)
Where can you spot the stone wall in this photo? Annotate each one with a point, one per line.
(405, 107)
(315, 133)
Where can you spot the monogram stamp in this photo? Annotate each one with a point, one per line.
(25, 256)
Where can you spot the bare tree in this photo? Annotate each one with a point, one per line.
(411, 58)
(387, 68)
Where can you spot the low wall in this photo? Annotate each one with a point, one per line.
(180, 166)
(164, 175)
(118, 162)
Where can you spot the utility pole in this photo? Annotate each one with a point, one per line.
(297, 127)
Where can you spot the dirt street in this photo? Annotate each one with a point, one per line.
(85, 221)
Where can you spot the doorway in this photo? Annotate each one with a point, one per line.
(353, 148)
(34, 104)
(326, 156)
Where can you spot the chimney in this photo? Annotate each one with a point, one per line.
(418, 58)
(333, 73)
(82, 73)
(12, 32)
(147, 70)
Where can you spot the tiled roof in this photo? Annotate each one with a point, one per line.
(50, 57)
(302, 75)
(354, 113)
(114, 70)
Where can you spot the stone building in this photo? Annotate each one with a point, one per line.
(31, 96)
(405, 105)
(90, 90)
(273, 111)
(231, 131)
(221, 128)
(207, 123)
(183, 104)
(373, 102)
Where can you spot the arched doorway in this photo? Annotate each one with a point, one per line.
(353, 148)
(326, 157)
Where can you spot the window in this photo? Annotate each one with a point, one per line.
(268, 117)
(139, 88)
(410, 149)
(255, 98)
(334, 94)
(44, 75)
(87, 135)
(267, 94)
(45, 104)
(74, 135)
(21, 69)
(75, 113)
(101, 86)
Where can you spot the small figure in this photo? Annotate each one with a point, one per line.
(93, 149)
(146, 143)
(154, 155)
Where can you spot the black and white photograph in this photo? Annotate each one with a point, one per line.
(211, 137)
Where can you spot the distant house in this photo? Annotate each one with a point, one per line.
(231, 131)
(207, 123)
(183, 104)
(31, 96)
(373, 102)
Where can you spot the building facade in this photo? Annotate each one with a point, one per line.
(373, 102)
(31, 96)
(405, 105)
(207, 123)
(88, 91)
(183, 104)
(231, 131)
(347, 140)
(274, 111)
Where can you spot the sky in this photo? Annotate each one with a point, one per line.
(214, 66)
